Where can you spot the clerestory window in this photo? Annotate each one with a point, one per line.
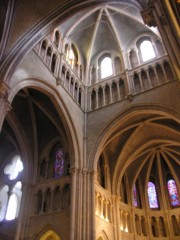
(59, 163)
(152, 195)
(147, 50)
(135, 200)
(173, 193)
(106, 67)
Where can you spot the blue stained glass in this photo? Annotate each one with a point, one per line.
(135, 202)
(59, 163)
(173, 193)
(153, 202)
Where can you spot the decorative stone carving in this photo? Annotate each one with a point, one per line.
(58, 81)
(130, 97)
(148, 17)
(73, 171)
(4, 104)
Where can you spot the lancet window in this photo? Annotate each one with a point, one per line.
(152, 195)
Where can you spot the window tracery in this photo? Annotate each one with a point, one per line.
(10, 198)
(14, 168)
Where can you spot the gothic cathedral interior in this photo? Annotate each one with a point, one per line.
(89, 120)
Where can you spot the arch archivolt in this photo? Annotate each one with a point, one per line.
(120, 168)
(165, 137)
(50, 234)
(47, 233)
(150, 142)
(125, 121)
(26, 153)
(135, 147)
(42, 86)
(44, 26)
(102, 235)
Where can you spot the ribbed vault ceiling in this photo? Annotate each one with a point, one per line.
(107, 27)
(144, 146)
(33, 120)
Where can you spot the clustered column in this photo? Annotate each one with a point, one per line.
(82, 204)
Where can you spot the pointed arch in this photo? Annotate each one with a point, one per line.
(102, 235)
(45, 88)
(50, 234)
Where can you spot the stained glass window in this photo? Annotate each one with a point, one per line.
(135, 202)
(173, 193)
(152, 195)
(59, 163)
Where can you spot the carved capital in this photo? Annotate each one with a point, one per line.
(73, 171)
(148, 17)
(5, 105)
(93, 174)
(58, 81)
(130, 97)
(84, 171)
(116, 198)
(4, 91)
